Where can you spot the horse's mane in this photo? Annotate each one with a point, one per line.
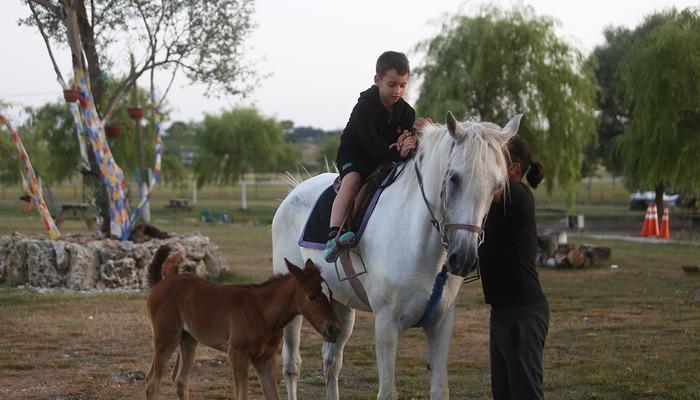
(478, 138)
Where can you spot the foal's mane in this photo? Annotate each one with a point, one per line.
(277, 278)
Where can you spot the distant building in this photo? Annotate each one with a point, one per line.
(187, 155)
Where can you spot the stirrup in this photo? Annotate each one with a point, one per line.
(334, 246)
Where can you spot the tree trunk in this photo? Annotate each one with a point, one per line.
(244, 196)
(75, 44)
(87, 38)
(659, 201)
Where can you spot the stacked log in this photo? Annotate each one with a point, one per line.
(568, 255)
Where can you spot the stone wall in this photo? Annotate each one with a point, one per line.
(83, 262)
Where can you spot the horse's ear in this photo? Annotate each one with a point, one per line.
(452, 125)
(294, 270)
(512, 126)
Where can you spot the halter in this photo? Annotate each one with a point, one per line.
(441, 226)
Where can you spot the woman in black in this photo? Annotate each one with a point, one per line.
(519, 308)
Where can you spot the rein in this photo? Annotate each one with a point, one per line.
(442, 227)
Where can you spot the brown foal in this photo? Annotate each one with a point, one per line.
(245, 321)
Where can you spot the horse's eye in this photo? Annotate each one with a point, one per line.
(312, 296)
(454, 179)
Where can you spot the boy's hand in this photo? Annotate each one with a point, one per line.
(406, 143)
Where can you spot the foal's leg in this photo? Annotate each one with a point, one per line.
(333, 352)
(164, 344)
(386, 332)
(268, 377)
(291, 358)
(182, 381)
(439, 335)
(240, 363)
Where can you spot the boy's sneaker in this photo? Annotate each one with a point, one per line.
(333, 249)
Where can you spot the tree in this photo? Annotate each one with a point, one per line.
(203, 39)
(661, 80)
(328, 149)
(239, 141)
(615, 114)
(53, 145)
(497, 64)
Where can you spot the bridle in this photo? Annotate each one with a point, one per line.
(441, 225)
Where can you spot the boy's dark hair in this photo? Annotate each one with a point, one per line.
(392, 60)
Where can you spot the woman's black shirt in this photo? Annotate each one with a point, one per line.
(507, 255)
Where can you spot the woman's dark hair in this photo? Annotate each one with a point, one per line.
(520, 152)
(392, 60)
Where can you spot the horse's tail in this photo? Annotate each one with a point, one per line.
(165, 262)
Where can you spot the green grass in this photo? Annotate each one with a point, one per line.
(626, 333)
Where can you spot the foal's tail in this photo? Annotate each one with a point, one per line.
(165, 262)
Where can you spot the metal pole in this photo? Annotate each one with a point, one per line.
(143, 187)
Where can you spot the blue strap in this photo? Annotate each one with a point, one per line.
(435, 296)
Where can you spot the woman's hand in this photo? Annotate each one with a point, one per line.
(420, 123)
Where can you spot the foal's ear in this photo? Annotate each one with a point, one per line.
(310, 266)
(453, 126)
(294, 270)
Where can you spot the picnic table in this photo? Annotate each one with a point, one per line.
(179, 205)
(74, 211)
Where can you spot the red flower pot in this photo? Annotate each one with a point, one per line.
(135, 112)
(113, 131)
(71, 95)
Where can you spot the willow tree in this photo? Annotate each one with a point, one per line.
(240, 141)
(497, 64)
(615, 113)
(661, 77)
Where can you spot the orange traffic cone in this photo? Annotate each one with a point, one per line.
(665, 228)
(654, 228)
(646, 226)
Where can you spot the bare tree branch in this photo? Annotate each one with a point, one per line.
(170, 84)
(126, 84)
(59, 77)
(57, 10)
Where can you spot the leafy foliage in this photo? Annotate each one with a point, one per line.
(497, 64)
(328, 149)
(239, 141)
(615, 114)
(201, 38)
(53, 147)
(661, 77)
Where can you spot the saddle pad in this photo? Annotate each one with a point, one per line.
(315, 233)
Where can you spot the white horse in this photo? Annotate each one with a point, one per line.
(462, 165)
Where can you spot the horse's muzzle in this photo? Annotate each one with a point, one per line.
(331, 333)
(461, 264)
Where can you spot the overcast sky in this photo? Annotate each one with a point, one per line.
(319, 54)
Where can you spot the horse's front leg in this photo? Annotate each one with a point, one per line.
(291, 358)
(439, 336)
(333, 352)
(265, 368)
(386, 332)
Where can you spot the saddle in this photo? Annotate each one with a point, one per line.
(315, 233)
